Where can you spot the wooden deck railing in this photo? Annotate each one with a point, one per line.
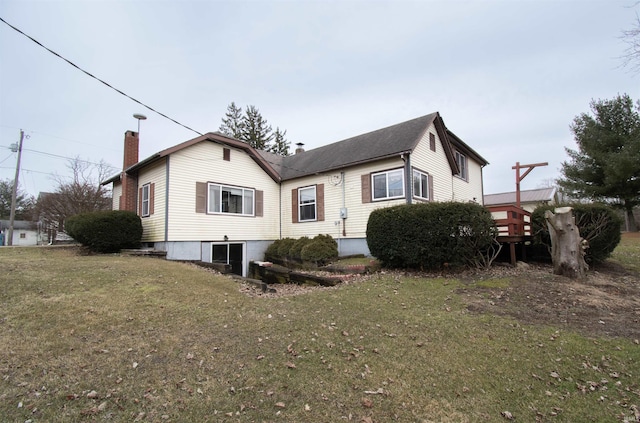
(512, 222)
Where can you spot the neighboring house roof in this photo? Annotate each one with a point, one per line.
(526, 196)
(19, 224)
(372, 146)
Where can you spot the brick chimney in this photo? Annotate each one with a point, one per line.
(300, 148)
(129, 182)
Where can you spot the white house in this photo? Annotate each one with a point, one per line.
(217, 199)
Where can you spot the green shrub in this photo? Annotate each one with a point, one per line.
(272, 249)
(296, 248)
(320, 249)
(106, 231)
(327, 239)
(317, 251)
(598, 224)
(279, 248)
(284, 247)
(430, 235)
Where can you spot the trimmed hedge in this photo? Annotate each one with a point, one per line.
(296, 248)
(430, 235)
(317, 249)
(321, 248)
(106, 231)
(598, 224)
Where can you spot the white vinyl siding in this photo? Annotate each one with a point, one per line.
(446, 186)
(336, 197)
(153, 225)
(116, 193)
(203, 163)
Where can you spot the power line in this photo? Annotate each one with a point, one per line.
(60, 157)
(96, 78)
(30, 171)
(70, 158)
(117, 90)
(61, 138)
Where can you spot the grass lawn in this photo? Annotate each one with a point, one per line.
(115, 338)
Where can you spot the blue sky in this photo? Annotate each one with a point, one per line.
(508, 77)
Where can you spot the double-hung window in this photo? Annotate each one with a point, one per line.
(307, 204)
(420, 185)
(145, 199)
(461, 160)
(227, 199)
(388, 185)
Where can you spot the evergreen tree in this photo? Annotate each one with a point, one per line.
(233, 122)
(24, 202)
(255, 129)
(280, 144)
(606, 166)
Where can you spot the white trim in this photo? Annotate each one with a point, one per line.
(222, 188)
(314, 203)
(386, 174)
(423, 188)
(463, 166)
(146, 189)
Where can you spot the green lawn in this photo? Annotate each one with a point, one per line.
(114, 338)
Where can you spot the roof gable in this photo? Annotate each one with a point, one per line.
(215, 137)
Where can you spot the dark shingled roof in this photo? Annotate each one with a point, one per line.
(372, 146)
(376, 145)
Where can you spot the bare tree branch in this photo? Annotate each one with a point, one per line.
(631, 37)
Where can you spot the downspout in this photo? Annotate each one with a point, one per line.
(406, 157)
(166, 203)
(280, 210)
(482, 184)
(344, 205)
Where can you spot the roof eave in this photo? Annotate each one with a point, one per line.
(351, 164)
(210, 136)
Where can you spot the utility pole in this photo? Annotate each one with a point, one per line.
(14, 195)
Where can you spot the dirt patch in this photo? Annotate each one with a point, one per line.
(607, 303)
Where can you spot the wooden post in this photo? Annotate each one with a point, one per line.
(519, 178)
(567, 247)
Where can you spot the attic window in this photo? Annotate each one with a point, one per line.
(432, 141)
(226, 154)
(461, 160)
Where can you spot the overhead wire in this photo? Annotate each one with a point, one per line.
(98, 79)
(122, 92)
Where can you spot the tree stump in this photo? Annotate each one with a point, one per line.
(567, 247)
